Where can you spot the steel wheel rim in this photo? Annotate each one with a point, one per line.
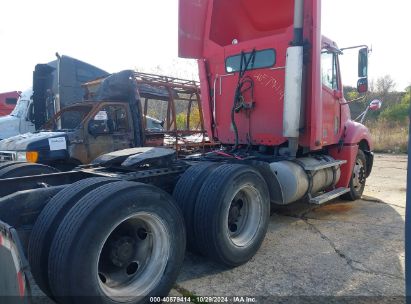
(358, 174)
(243, 224)
(126, 271)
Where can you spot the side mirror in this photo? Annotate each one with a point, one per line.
(363, 63)
(362, 85)
(375, 105)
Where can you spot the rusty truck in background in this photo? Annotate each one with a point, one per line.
(106, 120)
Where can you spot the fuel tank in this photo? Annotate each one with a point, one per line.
(296, 181)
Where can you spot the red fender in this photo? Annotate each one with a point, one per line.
(354, 134)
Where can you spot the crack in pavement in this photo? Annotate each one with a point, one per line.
(378, 201)
(349, 261)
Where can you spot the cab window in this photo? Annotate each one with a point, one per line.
(329, 69)
(262, 59)
(11, 101)
(116, 116)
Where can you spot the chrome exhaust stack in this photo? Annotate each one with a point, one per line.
(294, 82)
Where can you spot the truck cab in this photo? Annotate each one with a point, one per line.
(271, 82)
(56, 84)
(19, 121)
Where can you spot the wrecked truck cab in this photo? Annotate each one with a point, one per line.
(67, 140)
(77, 135)
(115, 115)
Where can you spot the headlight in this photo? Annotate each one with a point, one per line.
(21, 156)
(29, 156)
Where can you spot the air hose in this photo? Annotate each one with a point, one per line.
(238, 96)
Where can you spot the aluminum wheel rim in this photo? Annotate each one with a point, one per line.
(244, 223)
(133, 257)
(358, 174)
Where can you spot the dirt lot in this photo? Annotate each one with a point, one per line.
(338, 249)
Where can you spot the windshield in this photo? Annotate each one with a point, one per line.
(69, 118)
(20, 108)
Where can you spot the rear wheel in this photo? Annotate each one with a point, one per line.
(49, 220)
(358, 178)
(186, 193)
(232, 214)
(25, 169)
(122, 242)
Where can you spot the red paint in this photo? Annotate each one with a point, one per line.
(21, 283)
(356, 132)
(348, 153)
(7, 102)
(1, 240)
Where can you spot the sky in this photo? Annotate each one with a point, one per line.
(142, 34)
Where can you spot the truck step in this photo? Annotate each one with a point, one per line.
(326, 164)
(323, 198)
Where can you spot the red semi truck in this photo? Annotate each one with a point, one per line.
(8, 101)
(271, 84)
(115, 230)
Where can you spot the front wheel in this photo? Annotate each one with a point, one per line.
(358, 177)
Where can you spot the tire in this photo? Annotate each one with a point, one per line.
(95, 246)
(49, 220)
(186, 192)
(358, 178)
(231, 231)
(25, 169)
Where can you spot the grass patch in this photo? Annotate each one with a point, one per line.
(389, 137)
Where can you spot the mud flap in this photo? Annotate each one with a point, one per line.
(14, 285)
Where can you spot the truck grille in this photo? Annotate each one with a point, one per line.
(7, 156)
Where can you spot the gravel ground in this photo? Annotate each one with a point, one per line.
(353, 250)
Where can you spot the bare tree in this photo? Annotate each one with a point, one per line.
(385, 84)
